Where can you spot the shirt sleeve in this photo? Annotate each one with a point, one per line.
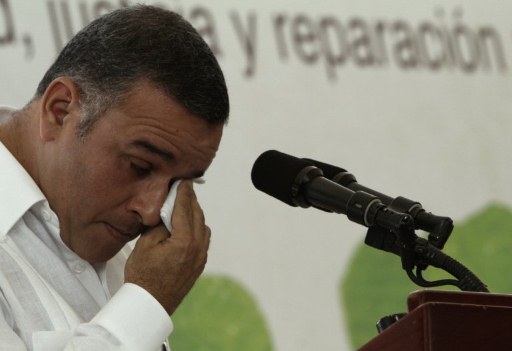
(143, 325)
(133, 320)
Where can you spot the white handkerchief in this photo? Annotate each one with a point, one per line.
(168, 206)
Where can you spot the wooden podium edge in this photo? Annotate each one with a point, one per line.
(442, 320)
(420, 297)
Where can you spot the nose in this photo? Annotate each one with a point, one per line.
(147, 202)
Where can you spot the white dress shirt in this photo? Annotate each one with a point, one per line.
(51, 299)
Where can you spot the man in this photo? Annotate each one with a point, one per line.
(135, 102)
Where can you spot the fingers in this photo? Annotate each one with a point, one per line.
(188, 215)
(187, 219)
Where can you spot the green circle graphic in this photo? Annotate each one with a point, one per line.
(219, 315)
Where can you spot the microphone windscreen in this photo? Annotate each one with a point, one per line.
(275, 173)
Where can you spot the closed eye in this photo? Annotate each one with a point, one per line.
(140, 170)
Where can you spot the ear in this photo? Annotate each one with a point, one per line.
(59, 103)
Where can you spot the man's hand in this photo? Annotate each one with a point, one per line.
(168, 266)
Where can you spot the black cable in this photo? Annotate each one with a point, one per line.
(419, 280)
(467, 281)
(440, 282)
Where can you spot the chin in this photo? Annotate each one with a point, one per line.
(93, 255)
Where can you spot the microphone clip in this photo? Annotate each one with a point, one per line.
(419, 253)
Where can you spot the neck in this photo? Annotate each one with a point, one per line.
(20, 135)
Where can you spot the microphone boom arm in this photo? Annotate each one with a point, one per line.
(438, 227)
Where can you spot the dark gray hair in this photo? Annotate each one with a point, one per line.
(136, 43)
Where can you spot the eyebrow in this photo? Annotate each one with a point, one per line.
(146, 145)
(167, 156)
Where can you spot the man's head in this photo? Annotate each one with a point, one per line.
(134, 102)
(113, 52)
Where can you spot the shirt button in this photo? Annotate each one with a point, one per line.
(79, 267)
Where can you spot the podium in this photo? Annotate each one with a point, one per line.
(449, 321)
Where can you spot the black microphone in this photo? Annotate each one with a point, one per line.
(439, 227)
(297, 182)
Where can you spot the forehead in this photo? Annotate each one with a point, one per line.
(148, 116)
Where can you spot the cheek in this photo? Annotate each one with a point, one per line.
(106, 182)
(103, 182)
(110, 183)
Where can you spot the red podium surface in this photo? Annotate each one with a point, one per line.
(449, 321)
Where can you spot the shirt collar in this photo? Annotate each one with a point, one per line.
(18, 191)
